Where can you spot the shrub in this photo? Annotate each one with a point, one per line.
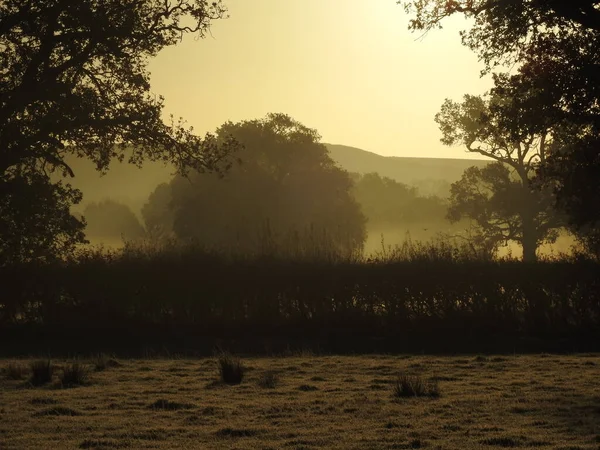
(41, 372)
(74, 374)
(15, 371)
(231, 370)
(414, 386)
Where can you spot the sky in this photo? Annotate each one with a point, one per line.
(349, 68)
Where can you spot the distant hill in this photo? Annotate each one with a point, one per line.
(425, 173)
(132, 186)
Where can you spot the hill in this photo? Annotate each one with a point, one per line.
(431, 175)
(132, 186)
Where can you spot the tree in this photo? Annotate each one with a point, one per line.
(286, 195)
(555, 47)
(75, 82)
(386, 202)
(110, 219)
(41, 209)
(505, 31)
(503, 209)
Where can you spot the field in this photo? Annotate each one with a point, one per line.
(310, 401)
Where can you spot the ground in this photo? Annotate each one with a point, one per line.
(340, 402)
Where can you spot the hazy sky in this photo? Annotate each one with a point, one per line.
(349, 68)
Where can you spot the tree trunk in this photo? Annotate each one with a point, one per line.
(529, 239)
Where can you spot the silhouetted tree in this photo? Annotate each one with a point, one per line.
(496, 202)
(75, 81)
(111, 219)
(286, 195)
(556, 45)
(388, 202)
(503, 208)
(35, 219)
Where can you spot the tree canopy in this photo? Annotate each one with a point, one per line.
(112, 220)
(75, 82)
(504, 206)
(554, 48)
(387, 202)
(285, 195)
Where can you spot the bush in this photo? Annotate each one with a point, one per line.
(41, 372)
(231, 370)
(15, 371)
(414, 386)
(74, 374)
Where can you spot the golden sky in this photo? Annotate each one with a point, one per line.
(349, 68)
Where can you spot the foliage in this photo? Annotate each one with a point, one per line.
(555, 45)
(502, 202)
(110, 219)
(387, 202)
(75, 83)
(496, 203)
(130, 299)
(286, 195)
(35, 220)
(505, 31)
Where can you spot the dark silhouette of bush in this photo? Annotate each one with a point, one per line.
(434, 296)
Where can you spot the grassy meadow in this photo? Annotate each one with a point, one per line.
(304, 401)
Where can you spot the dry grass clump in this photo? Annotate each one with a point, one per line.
(268, 380)
(231, 369)
(414, 386)
(75, 374)
(42, 372)
(169, 405)
(102, 362)
(15, 371)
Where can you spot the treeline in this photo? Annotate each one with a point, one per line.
(425, 296)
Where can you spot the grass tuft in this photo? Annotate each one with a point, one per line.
(168, 405)
(15, 371)
(41, 372)
(236, 432)
(57, 411)
(75, 374)
(231, 370)
(414, 386)
(501, 442)
(43, 401)
(101, 444)
(268, 380)
(102, 362)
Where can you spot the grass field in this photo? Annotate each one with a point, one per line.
(308, 401)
